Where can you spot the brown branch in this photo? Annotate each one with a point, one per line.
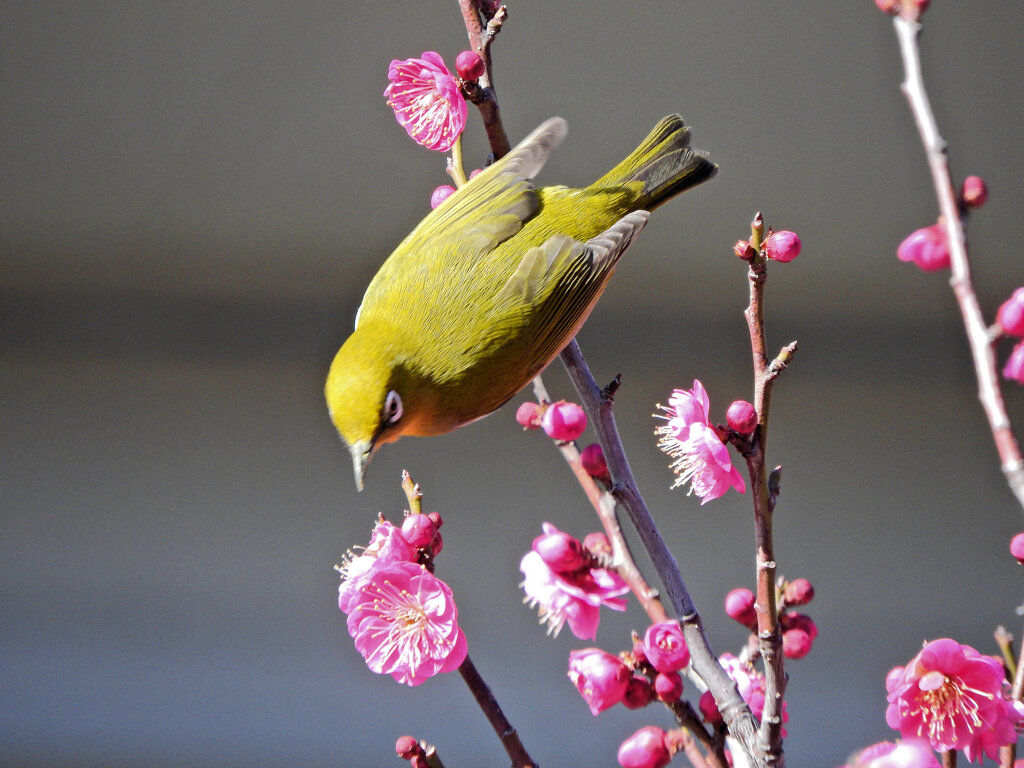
(604, 505)
(980, 341)
(492, 710)
(763, 492)
(483, 22)
(735, 712)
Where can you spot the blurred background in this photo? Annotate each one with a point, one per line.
(193, 197)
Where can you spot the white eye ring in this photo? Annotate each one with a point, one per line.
(392, 407)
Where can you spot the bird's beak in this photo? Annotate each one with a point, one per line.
(361, 453)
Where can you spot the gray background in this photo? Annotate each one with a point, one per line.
(192, 199)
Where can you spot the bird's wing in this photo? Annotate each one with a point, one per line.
(483, 213)
(556, 284)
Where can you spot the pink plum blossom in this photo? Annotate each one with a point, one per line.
(564, 421)
(405, 624)
(574, 597)
(427, 101)
(954, 697)
(1011, 314)
(700, 457)
(909, 753)
(927, 248)
(739, 606)
(387, 545)
(600, 677)
(1017, 547)
(441, 194)
(665, 647)
(469, 65)
(782, 246)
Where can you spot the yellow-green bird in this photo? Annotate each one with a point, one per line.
(490, 287)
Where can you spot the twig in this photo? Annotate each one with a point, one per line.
(492, 710)
(764, 493)
(908, 31)
(735, 712)
(483, 22)
(604, 505)
(948, 758)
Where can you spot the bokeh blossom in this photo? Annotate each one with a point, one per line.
(1014, 368)
(405, 624)
(600, 677)
(749, 682)
(955, 698)
(665, 647)
(427, 101)
(647, 748)
(571, 596)
(927, 248)
(909, 753)
(700, 457)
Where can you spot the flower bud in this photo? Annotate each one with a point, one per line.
(1011, 314)
(927, 248)
(668, 686)
(597, 543)
(708, 708)
(436, 517)
(601, 679)
(564, 421)
(782, 246)
(475, 172)
(645, 749)
(592, 458)
(419, 530)
(406, 747)
(638, 694)
(739, 606)
(798, 592)
(665, 647)
(437, 544)
(974, 193)
(741, 417)
(796, 643)
(528, 414)
(469, 65)
(1017, 547)
(888, 6)
(1014, 368)
(560, 551)
(441, 194)
(744, 250)
(419, 761)
(802, 621)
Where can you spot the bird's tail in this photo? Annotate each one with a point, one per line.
(664, 163)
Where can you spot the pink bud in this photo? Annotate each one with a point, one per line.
(744, 250)
(418, 530)
(802, 621)
(782, 246)
(741, 417)
(441, 194)
(708, 708)
(668, 686)
(665, 647)
(974, 193)
(739, 606)
(475, 172)
(645, 749)
(888, 6)
(592, 458)
(562, 553)
(419, 761)
(1011, 314)
(796, 643)
(597, 543)
(564, 421)
(406, 747)
(436, 517)
(639, 693)
(798, 592)
(1014, 368)
(469, 65)
(922, 5)
(437, 544)
(927, 248)
(601, 679)
(1017, 547)
(528, 414)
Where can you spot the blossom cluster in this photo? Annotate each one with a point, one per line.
(402, 617)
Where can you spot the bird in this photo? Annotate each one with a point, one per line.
(491, 285)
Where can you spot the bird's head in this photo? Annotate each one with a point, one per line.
(365, 398)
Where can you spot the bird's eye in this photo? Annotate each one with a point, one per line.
(392, 407)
